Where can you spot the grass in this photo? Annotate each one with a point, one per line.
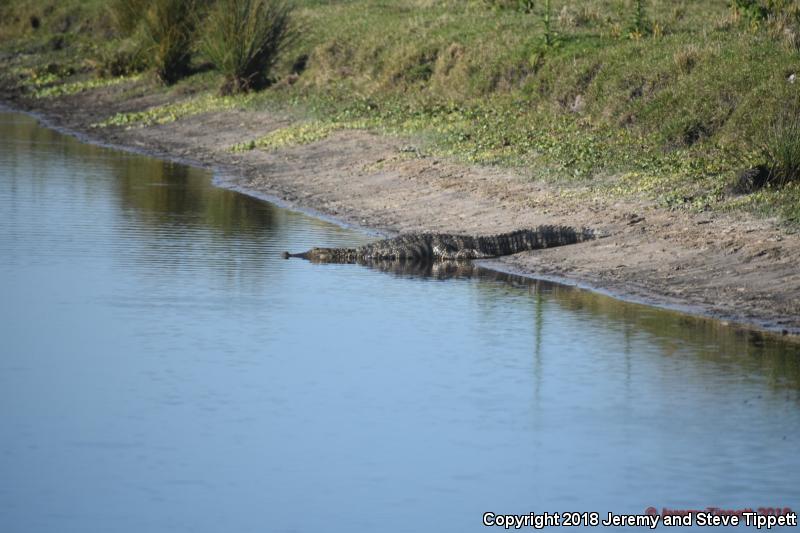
(244, 39)
(127, 15)
(782, 149)
(672, 114)
(64, 89)
(639, 18)
(547, 22)
(169, 32)
(302, 133)
(164, 114)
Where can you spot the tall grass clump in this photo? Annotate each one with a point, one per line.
(127, 14)
(687, 58)
(782, 149)
(169, 30)
(127, 54)
(245, 38)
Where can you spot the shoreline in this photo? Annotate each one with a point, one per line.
(371, 183)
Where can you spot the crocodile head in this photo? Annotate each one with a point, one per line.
(325, 255)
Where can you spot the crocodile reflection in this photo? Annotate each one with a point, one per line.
(742, 348)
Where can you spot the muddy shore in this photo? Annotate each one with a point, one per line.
(737, 268)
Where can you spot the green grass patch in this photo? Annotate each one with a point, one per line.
(64, 89)
(303, 133)
(164, 114)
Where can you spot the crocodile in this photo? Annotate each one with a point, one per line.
(430, 247)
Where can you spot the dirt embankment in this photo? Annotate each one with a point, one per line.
(734, 267)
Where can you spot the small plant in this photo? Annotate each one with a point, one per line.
(245, 38)
(547, 20)
(687, 58)
(640, 25)
(782, 149)
(753, 10)
(526, 6)
(169, 31)
(757, 11)
(658, 30)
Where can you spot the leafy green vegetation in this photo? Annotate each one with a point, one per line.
(302, 133)
(547, 20)
(62, 89)
(639, 19)
(666, 100)
(164, 114)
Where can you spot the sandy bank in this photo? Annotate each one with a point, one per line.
(734, 267)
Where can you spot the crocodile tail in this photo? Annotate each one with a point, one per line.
(563, 235)
(585, 234)
(545, 236)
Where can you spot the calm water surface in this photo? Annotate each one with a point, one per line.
(163, 370)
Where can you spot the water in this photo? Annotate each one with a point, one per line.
(163, 370)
